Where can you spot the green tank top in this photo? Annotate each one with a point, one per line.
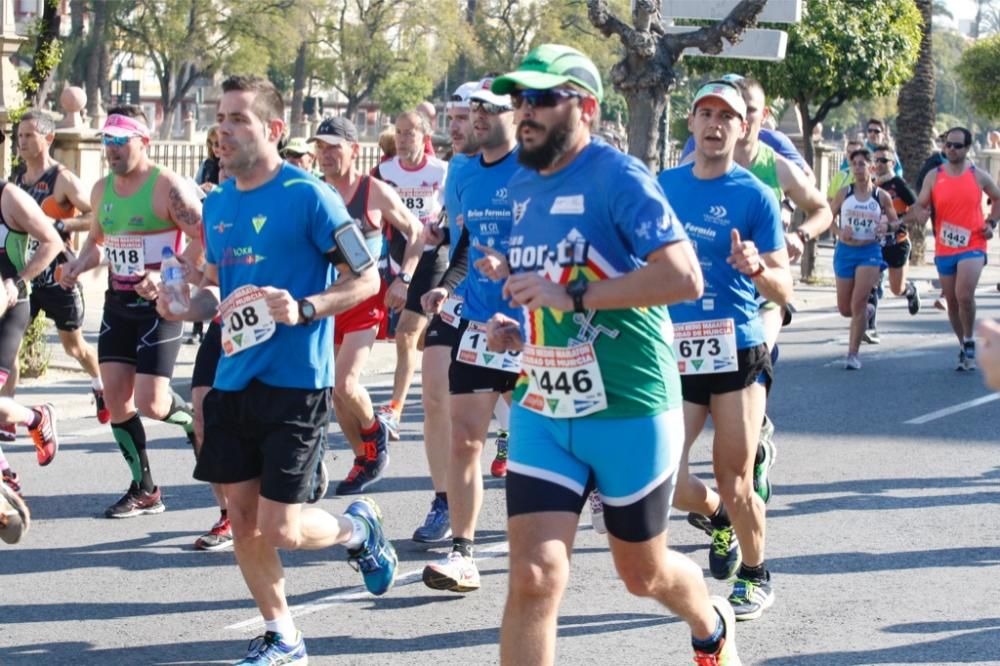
(765, 167)
(134, 238)
(13, 250)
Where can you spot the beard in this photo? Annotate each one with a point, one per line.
(241, 161)
(556, 144)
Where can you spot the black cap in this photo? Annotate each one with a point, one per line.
(337, 129)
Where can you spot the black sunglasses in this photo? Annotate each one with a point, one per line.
(488, 107)
(876, 130)
(543, 98)
(955, 145)
(882, 160)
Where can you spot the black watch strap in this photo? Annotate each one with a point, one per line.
(576, 289)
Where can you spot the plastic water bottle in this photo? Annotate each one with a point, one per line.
(172, 274)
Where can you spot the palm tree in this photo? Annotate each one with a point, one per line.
(916, 118)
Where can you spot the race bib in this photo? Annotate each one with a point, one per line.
(954, 236)
(705, 347)
(451, 311)
(472, 350)
(125, 255)
(48, 276)
(563, 382)
(862, 228)
(246, 321)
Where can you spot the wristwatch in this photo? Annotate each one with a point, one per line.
(307, 312)
(576, 289)
(20, 284)
(405, 278)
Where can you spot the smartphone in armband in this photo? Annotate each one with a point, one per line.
(352, 248)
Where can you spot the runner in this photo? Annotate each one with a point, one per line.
(268, 410)
(62, 196)
(141, 210)
(734, 222)
(419, 179)
(593, 259)
(477, 378)
(955, 189)
(866, 213)
(372, 204)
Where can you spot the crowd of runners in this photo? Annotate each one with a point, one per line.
(551, 282)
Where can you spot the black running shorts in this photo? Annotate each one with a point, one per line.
(207, 360)
(144, 340)
(754, 368)
(464, 378)
(63, 306)
(440, 334)
(430, 269)
(897, 254)
(266, 432)
(12, 325)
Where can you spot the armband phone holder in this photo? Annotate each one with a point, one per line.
(352, 249)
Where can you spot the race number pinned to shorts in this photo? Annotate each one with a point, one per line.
(125, 254)
(46, 277)
(451, 311)
(706, 347)
(472, 350)
(246, 321)
(563, 382)
(954, 236)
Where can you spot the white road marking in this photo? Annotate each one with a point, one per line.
(948, 411)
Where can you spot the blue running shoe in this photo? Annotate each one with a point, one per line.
(437, 525)
(725, 556)
(376, 558)
(271, 649)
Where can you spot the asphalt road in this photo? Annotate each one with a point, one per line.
(882, 537)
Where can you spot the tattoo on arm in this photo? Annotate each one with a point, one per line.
(181, 210)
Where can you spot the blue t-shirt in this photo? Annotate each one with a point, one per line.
(597, 219)
(485, 207)
(277, 235)
(451, 205)
(710, 210)
(779, 141)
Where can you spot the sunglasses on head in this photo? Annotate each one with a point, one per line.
(488, 107)
(543, 98)
(955, 145)
(116, 140)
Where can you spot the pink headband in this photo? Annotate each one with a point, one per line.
(119, 125)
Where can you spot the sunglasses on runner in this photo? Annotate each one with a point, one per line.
(955, 145)
(882, 160)
(488, 107)
(543, 98)
(116, 140)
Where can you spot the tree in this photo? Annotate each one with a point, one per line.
(45, 54)
(647, 73)
(916, 116)
(978, 70)
(842, 50)
(186, 40)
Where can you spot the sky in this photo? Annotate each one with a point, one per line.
(962, 9)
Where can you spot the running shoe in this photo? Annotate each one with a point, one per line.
(136, 502)
(913, 298)
(44, 434)
(750, 598)
(15, 518)
(597, 512)
(963, 362)
(455, 573)
(321, 482)
(357, 479)
(8, 432)
(220, 537)
(499, 466)
(271, 649)
(375, 558)
(103, 413)
(761, 482)
(388, 417)
(437, 524)
(726, 656)
(701, 522)
(852, 362)
(969, 349)
(377, 453)
(941, 304)
(724, 557)
(871, 336)
(11, 478)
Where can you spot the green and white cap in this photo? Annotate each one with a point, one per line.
(725, 91)
(551, 65)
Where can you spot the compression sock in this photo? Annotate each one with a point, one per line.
(463, 546)
(131, 438)
(180, 413)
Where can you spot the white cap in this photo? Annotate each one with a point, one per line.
(491, 98)
(460, 98)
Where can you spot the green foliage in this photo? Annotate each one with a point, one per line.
(979, 70)
(842, 50)
(34, 355)
(614, 107)
(402, 91)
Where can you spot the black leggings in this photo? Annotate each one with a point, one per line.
(12, 326)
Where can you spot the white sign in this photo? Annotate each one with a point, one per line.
(755, 45)
(775, 11)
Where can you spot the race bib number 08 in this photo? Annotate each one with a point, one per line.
(472, 350)
(125, 255)
(706, 347)
(954, 236)
(246, 321)
(563, 382)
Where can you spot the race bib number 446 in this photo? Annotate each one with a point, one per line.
(563, 382)
(246, 321)
(705, 347)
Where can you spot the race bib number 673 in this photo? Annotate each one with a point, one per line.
(705, 347)
(246, 320)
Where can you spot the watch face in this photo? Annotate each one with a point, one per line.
(308, 310)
